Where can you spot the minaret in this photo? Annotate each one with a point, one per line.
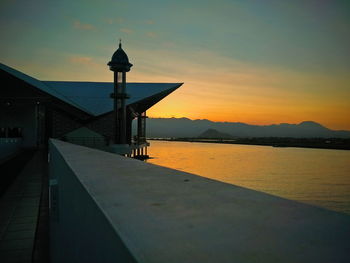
(119, 64)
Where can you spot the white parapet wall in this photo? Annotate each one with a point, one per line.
(109, 208)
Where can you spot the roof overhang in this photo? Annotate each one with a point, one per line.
(93, 98)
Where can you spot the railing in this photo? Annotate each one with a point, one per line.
(109, 208)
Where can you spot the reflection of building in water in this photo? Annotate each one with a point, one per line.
(79, 112)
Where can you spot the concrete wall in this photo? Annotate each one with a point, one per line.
(23, 116)
(79, 230)
(108, 208)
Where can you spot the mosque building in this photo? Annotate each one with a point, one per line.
(94, 114)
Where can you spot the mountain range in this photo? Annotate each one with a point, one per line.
(184, 127)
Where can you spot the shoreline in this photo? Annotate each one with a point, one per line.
(330, 144)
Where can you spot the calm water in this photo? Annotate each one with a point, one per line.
(315, 176)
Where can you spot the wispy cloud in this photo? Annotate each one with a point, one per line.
(168, 44)
(109, 21)
(151, 34)
(118, 20)
(82, 60)
(150, 22)
(82, 26)
(127, 30)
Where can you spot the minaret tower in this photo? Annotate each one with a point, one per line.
(119, 64)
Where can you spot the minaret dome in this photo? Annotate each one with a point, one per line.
(120, 61)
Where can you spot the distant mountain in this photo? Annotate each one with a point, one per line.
(184, 127)
(214, 134)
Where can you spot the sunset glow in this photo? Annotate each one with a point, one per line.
(241, 61)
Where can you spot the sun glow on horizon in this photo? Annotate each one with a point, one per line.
(257, 63)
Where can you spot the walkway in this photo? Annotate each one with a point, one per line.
(19, 211)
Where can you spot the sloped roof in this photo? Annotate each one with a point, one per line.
(40, 85)
(94, 97)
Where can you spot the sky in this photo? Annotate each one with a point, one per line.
(258, 62)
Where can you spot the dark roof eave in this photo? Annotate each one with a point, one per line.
(42, 87)
(149, 100)
(152, 100)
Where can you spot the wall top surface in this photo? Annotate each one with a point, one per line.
(165, 215)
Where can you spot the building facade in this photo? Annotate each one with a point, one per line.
(80, 112)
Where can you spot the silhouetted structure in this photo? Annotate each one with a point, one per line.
(79, 112)
(119, 64)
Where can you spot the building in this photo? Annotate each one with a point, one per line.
(79, 112)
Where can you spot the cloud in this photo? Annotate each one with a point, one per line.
(149, 22)
(127, 30)
(151, 34)
(82, 60)
(112, 21)
(81, 26)
(109, 21)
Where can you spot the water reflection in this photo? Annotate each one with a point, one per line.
(315, 176)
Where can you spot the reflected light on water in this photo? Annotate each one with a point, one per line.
(315, 176)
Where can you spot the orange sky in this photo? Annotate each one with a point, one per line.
(228, 90)
(241, 92)
(248, 61)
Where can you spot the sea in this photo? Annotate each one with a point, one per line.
(318, 177)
